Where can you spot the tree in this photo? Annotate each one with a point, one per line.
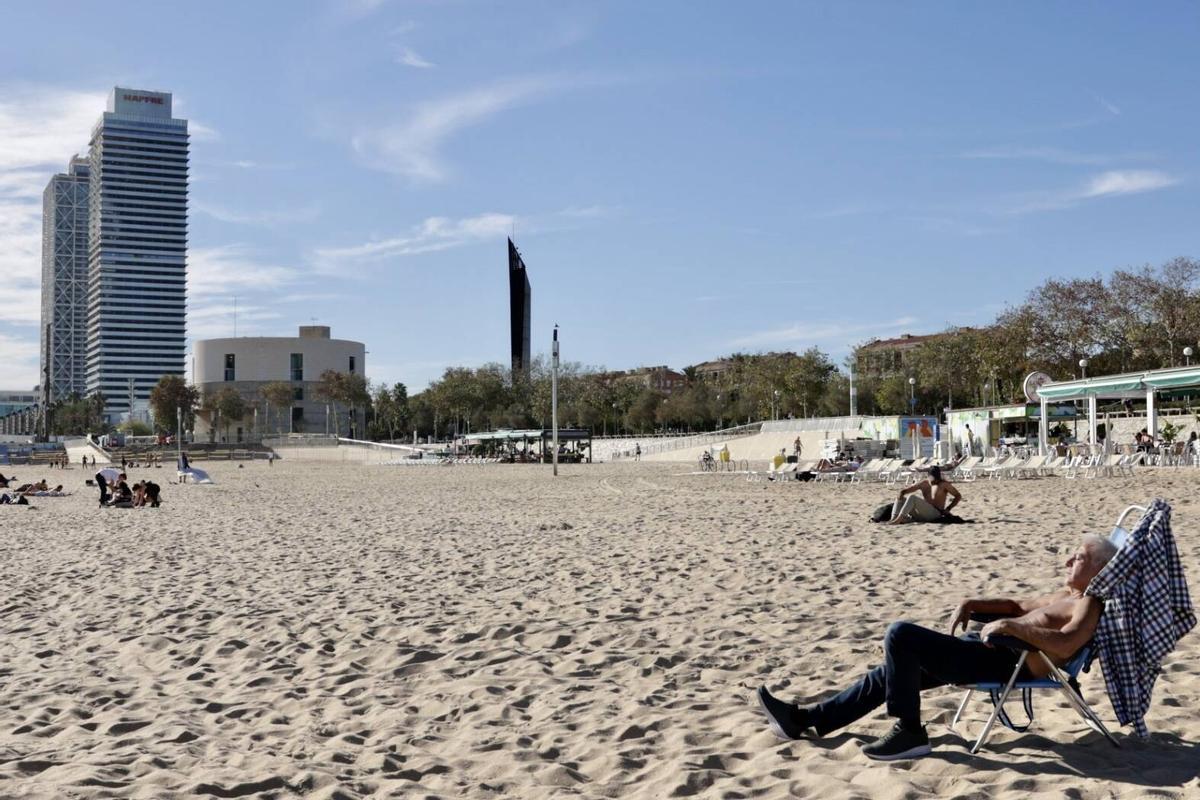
(280, 395)
(331, 388)
(355, 393)
(228, 405)
(171, 394)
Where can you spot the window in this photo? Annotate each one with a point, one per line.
(298, 393)
(297, 366)
(229, 360)
(351, 363)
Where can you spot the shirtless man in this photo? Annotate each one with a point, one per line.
(917, 658)
(931, 505)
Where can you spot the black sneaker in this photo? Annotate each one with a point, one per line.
(899, 743)
(787, 721)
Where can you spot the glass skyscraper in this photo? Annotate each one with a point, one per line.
(64, 282)
(137, 240)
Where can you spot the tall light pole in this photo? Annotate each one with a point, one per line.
(720, 415)
(554, 396)
(615, 426)
(912, 395)
(775, 404)
(1083, 364)
(1187, 355)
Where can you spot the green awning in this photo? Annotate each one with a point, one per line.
(1101, 387)
(1174, 379)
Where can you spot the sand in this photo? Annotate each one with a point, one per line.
(485, 631)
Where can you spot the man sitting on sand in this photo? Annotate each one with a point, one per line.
(917, 658)
(931, 505)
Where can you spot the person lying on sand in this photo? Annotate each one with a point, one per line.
(917, 658)
(931, 505)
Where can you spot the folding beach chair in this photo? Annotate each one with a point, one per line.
(1064, 678)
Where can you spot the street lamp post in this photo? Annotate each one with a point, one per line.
(1187, 355)
(1083, 365)
(720, 416)
(912, 394)
(775, 404)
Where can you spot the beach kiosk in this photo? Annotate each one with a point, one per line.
(1130, 385)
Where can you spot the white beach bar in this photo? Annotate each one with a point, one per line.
(1129, 385)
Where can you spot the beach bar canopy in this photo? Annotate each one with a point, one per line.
(1131, 385)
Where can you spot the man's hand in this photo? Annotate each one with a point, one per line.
(962, 616)
(998, 628)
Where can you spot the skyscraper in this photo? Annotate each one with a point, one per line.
(520, 302)
(137, 241)
(64, 282)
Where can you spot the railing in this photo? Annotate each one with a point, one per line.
(694, 440)
(407, 448)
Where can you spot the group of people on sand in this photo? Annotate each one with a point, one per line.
(20, 493)
(122, 495)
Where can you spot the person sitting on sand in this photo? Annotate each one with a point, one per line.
(122, 496)
(150, 491)
(917, 659)
(931, 505)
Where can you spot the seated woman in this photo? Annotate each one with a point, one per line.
(931, 505)
(122, 496)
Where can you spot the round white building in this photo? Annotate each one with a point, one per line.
(248, 363)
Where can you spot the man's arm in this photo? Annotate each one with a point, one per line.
(1061, 644)
(955, 498)
(916, 487)
(1000, 607)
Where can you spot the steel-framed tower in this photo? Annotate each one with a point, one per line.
(64, 283)
(137, 248)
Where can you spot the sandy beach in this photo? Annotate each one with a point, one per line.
(345, 631)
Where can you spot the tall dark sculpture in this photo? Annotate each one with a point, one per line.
(520, 302)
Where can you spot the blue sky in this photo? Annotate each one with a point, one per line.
(684, 180)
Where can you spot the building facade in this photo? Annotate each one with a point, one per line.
(137, 241)
(248, 363)
(520, 311)
(64, 283)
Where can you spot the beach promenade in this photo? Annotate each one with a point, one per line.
(352, 631)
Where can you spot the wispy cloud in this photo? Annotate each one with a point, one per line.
(1109, 107)
(1113, 183)
(1051, 155)
(19, 366)
(411, 58)
(231, 269)
(41, 127)
(829, 333)
(433, 234)
(412, 148)
(218, 319)
(263, 218)
(249, 163)
(1126, 182)
(360, 8)
(199, 132)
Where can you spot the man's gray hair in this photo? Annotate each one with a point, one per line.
(1100, 550)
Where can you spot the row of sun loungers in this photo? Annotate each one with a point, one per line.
(896, 471)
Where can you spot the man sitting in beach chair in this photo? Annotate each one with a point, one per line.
(917, 658)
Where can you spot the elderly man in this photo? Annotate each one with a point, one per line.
(916, 659)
